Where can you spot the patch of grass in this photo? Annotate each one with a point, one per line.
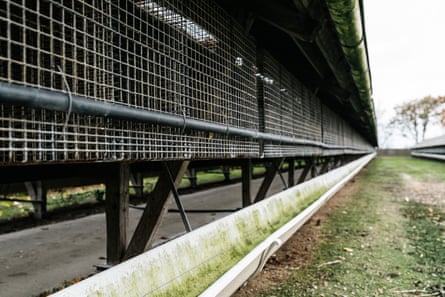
(90, 194)
(380, 244)
(421, 169)
(426, 233)
(71, 198)
(55, 199)
(14, 209)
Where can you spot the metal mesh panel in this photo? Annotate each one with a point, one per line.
(332, 127)
(28, 135)
(180, 57)
(290, 109)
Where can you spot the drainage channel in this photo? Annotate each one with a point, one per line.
(216, 259)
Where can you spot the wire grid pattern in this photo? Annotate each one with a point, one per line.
(187, 58)
(332, 127)
(290, 108)
(352, 139)
(28, 135)
(283, 150)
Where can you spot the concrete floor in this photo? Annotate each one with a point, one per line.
(41, 258)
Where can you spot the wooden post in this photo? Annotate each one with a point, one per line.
(191, 175)
(246, 179)
(37, 191)
(117, 211)
(155, 209)
(291, 172)
(325, 167)
(226, 172)
(314, 172)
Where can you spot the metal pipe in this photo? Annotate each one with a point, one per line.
(60, 101)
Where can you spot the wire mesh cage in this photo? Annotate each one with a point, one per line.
(187, 58)
(290, 109)
(332, 127)
(190, 59)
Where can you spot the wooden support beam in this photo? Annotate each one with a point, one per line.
(116, 209)
(308, 166)
(175, 193)
(280, 174)
(314, 172)
(156, 208)
(338, 162)
(325, 167)
(271, 170)
(37, 191)
(291, 172)
(246, 180)
(226, 172)
(191, 175)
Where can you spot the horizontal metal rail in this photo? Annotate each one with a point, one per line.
(60, 101)
(428, 156)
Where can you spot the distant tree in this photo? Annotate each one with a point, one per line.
(442, 113)
(413, 117)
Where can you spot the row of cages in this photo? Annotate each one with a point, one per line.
(440, 150)
(184, 58)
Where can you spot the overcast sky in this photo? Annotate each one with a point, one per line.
(406, 44)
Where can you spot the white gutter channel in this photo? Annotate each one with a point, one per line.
(254, 262)
(189, 264)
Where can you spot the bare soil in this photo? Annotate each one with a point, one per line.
(432, 193)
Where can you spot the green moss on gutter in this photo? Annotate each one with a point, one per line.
(216, 254)
(253, 234)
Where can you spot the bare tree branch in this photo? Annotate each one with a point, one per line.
(414, 117)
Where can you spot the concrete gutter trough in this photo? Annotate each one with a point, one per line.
(216, 259)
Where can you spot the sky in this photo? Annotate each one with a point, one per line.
(406, 47)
